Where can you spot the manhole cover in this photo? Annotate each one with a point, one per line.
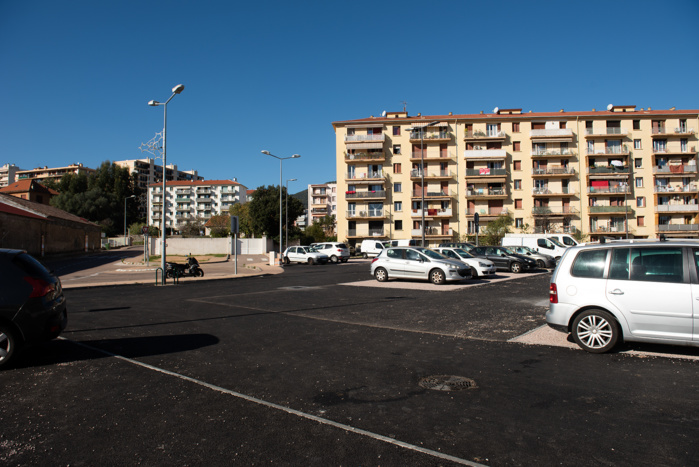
(447, 383)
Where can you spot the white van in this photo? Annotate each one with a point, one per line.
(409, 242)
(371, 248)
(537, 242)
(564, 239)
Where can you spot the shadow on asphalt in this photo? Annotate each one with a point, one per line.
(68, 265)
(61, 351)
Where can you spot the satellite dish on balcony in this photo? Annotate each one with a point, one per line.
(610, 107)
(496, 110)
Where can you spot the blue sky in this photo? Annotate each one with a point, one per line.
(76, 76)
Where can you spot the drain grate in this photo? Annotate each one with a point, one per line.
(447, 383)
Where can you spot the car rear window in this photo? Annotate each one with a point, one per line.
(590, 264)
(31, 266)
(341, 245)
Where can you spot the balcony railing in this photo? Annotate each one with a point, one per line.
(485, 154)
(609, 209)
(433, 174)
(367, 213)
(432, 212)
(677, 208)
(435, 194)
(363, 138)
(556, 170)
(609, 151)
(553, 210)
(678, 227)
(486, 172)
(606, 131)
(377, 155)
(432, 231)
(415, 135)
(676, 130)
(608, 189)
(551, 133)
(488, 192)
(675, 169)
(487, 212)
(365, 176)
(610, 170)
(675, 189)
(484, 134)
(183, 200)
(554, 152)
(553, 191)
(365, 194)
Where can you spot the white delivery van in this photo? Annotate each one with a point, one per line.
(537, 242)
(371, 248)
(563, 239)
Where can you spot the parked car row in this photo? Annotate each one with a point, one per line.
(317, 253)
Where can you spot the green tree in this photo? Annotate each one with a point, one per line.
(99, 197)
(192, 228)
(243, 213)
(264, 211)
(315, 231)
(220, 225)
(495, 230)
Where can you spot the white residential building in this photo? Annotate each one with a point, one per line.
(8, 174)
(322, 201)
(192, 200)
(147, 172)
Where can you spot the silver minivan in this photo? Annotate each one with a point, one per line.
(644, 291)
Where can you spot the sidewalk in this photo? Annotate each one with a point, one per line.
(120, 267)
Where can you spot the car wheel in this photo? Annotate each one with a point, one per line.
(333, 259)
(8, 343)
(596, 331)
(437, 277)
(540, 263)
(516, 267)
(474, 273)
(381, 275)
(310, 261)
(366, 256)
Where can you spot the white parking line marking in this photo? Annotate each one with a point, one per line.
(288, 410)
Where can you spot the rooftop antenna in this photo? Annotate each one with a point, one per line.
(405, 106)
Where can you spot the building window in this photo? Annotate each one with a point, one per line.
(637, 144)
(519, 222)
(516, 146)
(639, 182)
(641, 221)
(396, 149)
(640, 201)
(636, 124)
(399, 225)
(638, 162)
(518, 204)
(396, 168)
(397, 187)
(350, 131)
(396, 131)
(517, 165)
(518, 184)
(398, 206)
(515, 127)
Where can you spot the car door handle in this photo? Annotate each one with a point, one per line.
(616, 292)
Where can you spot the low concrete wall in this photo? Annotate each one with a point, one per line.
(204, 245)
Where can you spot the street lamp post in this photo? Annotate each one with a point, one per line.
(176, 90)
(128, 197)
(281, 159)
(286, 217)
(422, 173)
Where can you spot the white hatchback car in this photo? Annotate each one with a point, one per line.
(417, 263)
(303, 254)
(644, 291)
(336, 251)
(480, 267)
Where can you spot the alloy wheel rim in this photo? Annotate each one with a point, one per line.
(594, 331)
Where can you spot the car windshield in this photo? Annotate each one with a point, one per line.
(556, 242)
(430, 253)
(463, 253)
(527, 249)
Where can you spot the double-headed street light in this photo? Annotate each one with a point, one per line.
(286, 220)
(422, 172)
(128, 197)
(295, 156)
(176, 90)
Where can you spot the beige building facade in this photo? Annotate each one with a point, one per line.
(616, 172)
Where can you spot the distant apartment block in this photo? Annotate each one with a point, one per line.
(41, 174)
(8, 174)
(192, 201)
(147, 172)
(616, 172)
(322, 201)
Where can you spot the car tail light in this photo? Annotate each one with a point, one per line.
(40, 287)
(374, 259)
(553, 293)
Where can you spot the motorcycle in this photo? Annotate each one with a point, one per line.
(191, 269)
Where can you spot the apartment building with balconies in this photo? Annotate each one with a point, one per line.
(42, 174)
(189, 201)
(8, 174)
(322, 201)
(616, 172)
(147, 172)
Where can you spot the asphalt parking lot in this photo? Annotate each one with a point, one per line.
(318, 366)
